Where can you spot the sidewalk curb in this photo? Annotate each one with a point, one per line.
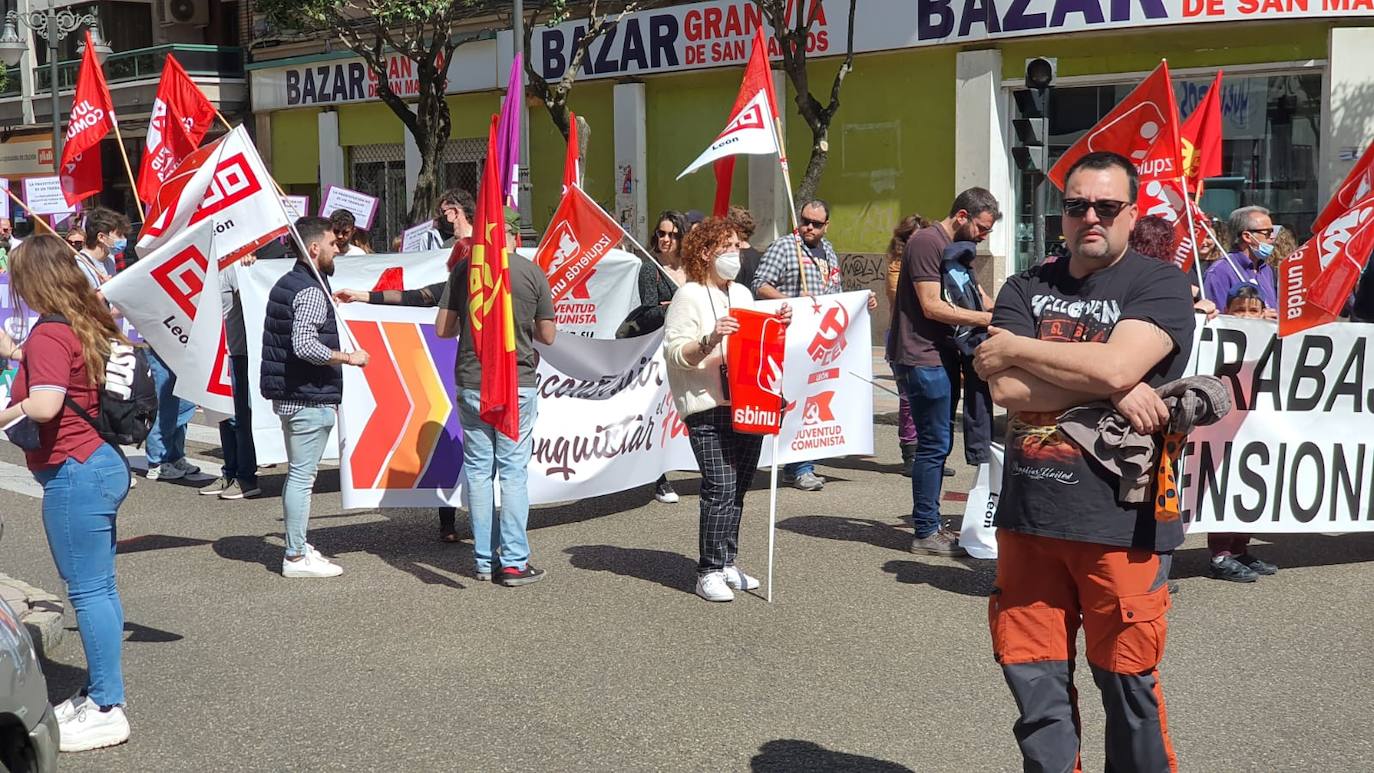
(41, 612)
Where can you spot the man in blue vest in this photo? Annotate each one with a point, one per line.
(301, 375)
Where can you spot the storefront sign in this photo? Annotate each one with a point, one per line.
(26, 157)
(44, 196)
(363, 206)
(716, 33)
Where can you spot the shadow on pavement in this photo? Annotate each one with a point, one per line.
(671, 570)
(145, 542)
(865, 530)
(789, 756)
(971, 579)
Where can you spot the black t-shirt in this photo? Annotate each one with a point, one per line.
(1049, 486)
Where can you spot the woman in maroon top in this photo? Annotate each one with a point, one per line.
(84, 478)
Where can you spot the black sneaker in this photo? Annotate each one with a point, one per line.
(908, 455)
(1257, 566)
(1229, 569)
(948, 473)
(512, 577)
(1173, 587)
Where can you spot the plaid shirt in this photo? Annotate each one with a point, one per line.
(778, 267)
(310, 312)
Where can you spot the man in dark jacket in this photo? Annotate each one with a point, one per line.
(301, 375)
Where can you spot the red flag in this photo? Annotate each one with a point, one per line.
(181, 117)
(91, 118)
(1187, 238)
(578, 237)
(754, 357)
(490, 316)
(754, 118)
(1147, 117)
(1354, 187)
(1201, 138)
(572, 162)
(725, 180)
(1342, 249)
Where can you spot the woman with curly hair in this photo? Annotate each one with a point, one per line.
(695, 332)
(906, 426)
(84, 478)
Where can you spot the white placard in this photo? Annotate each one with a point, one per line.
(413, 238)
(44, 196)
(363, 206)
(296, 206)
(5, 200)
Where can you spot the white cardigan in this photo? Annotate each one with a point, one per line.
(691, 315)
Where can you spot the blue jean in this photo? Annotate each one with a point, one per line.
(80, 502)
(236, 432)
(928, 390)
(488, 453)
(798, 469)
(306, 432)
(167, 439)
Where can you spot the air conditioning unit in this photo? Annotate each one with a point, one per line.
(188, 12)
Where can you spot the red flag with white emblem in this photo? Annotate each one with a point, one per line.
(180, 118)
(578, 237)
(1143, 128)
(91, 119)
(1354, 187)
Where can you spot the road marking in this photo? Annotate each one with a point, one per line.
(19, 480)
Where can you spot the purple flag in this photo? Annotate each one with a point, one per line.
(508, 133)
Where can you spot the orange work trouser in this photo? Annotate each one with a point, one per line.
(1045, 586)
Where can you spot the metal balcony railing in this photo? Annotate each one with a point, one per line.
(141, 64)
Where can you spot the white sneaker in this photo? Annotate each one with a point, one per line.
(68, 707)
(165, 472)
(310, 565)
(713, 587)
(737, 579)
(186, 467)
(317, 555)
(87, 727)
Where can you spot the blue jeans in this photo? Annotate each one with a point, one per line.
(80, 502)
(167, 439)
(488, 453)
(236, 432)
(307, 432)
(798, 469)
(928, 390)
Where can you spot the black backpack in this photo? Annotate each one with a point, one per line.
(128, 402)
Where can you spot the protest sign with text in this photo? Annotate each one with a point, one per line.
(362, 206)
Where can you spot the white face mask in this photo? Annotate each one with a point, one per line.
(727, 265)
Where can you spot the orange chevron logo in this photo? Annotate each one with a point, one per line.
(412, 439)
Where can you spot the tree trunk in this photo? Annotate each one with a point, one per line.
(815, 167)
(430, 131)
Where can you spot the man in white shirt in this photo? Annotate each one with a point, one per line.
(344, 224)
(106, 236)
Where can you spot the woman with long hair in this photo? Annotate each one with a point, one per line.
(697, 324)
(906, 426)
(84, 479)
(659, 277)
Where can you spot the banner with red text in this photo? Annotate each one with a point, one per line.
(603, 297)
(606, 419)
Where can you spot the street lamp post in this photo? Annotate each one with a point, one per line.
(52, 26)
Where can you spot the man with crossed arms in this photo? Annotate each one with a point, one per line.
(1105, 324)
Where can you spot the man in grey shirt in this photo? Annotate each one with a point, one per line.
(239, 479)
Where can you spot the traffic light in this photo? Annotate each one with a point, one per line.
(1032, 123)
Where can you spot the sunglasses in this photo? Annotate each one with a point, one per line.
(666, 234)
(1269, 233)
(1106, 209)
(817, 224)
(75, 243)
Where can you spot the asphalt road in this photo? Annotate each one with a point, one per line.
(869, 659)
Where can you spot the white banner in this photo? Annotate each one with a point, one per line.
(605, 299)
(358, 272)
(606, 419)
(1297, 453)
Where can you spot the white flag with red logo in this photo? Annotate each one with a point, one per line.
(163, 295)
(752, 128)
(91, 119)
(227, 182)
(181, 117)
(578, 237)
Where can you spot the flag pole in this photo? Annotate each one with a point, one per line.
(124, 154)
(227, 125)
(791, 205)
(1192, 234)
(772, 514)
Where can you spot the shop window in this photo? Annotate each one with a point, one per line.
(380, 170)
(1270, 149)
(461, 164)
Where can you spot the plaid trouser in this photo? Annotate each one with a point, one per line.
(728, 461)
